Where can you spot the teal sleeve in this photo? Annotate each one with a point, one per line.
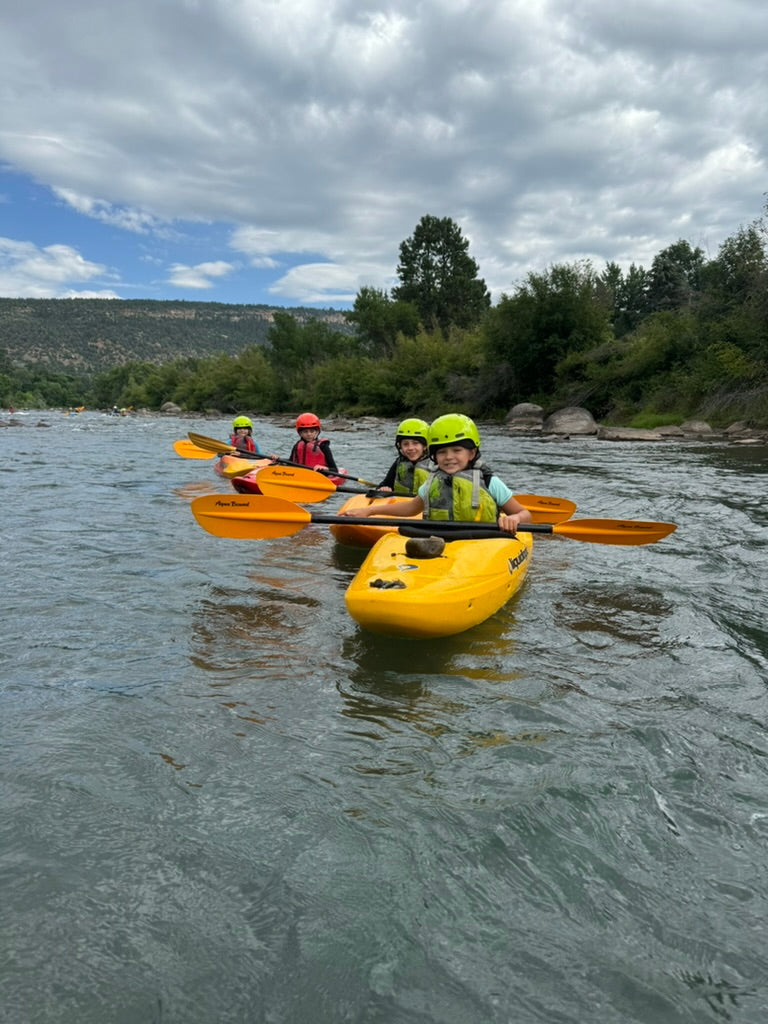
(499, 491)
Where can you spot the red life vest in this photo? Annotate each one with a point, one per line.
(309, 453)
(245, 444)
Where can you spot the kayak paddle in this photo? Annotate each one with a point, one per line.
(239, 467)
(297, 483)
(187, 450)
(303, 485)
(210, 444)
(260, 517)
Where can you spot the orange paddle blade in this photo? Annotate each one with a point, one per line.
(187, 450)
(210, 444)
(242, 518)
(294, 484)
(545, 509)
(613, 531)
(238, 467)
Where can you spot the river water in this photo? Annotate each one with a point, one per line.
(224, 802)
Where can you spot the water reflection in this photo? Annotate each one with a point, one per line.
(631, 616)
(735, 458)
(413, 818)
(347, 558)
(196, 488)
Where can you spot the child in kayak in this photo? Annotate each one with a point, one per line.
(243, 439)
(411, 467)
(312, 450)
(458, 489)
(242, 435)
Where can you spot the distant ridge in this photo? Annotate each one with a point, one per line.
(86, 335)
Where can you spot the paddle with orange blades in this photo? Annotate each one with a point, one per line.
(240, 467)
(220, 448)
(260, 517)
(188, 450)
(304, 485)
(210, 444)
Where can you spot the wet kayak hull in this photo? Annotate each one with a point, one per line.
(355, 533)
(468, 582)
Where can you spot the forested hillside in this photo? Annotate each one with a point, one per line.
(87, 335)
(687, 337)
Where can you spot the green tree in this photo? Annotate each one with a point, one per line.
(439, 277)
(527, 334)
(380, 319)
(626, 295)
(674, 277)
(738, 272)
(293, 350)
(734, 306)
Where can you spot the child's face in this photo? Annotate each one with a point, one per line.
(454, 458)
(412, 449)
(242, 431)
(308, 433)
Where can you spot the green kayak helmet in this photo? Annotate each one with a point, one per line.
(454, 429)
(241, 421)
(412, 430)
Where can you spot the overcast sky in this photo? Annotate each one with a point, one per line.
(278, 151)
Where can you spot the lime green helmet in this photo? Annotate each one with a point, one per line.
(414, 429)
(241, 421)
(452, 429)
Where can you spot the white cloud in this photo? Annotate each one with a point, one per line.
(27, 271)
(127, 219)
(202, 275)
(327, 283)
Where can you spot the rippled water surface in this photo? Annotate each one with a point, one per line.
(224, 802)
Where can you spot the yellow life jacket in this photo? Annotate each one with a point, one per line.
(409, 476)
(462, 496)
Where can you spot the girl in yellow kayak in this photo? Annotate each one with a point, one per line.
(460, 489)
(411, 467)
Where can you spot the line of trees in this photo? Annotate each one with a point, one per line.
(688, 336)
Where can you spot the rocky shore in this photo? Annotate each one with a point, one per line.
(526, 418)
(575, 421)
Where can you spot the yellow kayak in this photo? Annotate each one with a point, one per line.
(357, 534)
(436, 596)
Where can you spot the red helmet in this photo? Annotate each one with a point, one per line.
(307, 421)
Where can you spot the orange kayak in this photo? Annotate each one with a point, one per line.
(357, 534)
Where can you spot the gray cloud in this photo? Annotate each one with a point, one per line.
(549, 131)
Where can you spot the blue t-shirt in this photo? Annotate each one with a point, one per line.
(496, 487)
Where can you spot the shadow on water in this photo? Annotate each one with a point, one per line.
(347, 558)
(416, 680)
(629, 616)
(388, 682)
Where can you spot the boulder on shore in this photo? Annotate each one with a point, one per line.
(627, 434)
(571, 420)
(669, 430)
(170, 409)
(695, 427)
(524, 416)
